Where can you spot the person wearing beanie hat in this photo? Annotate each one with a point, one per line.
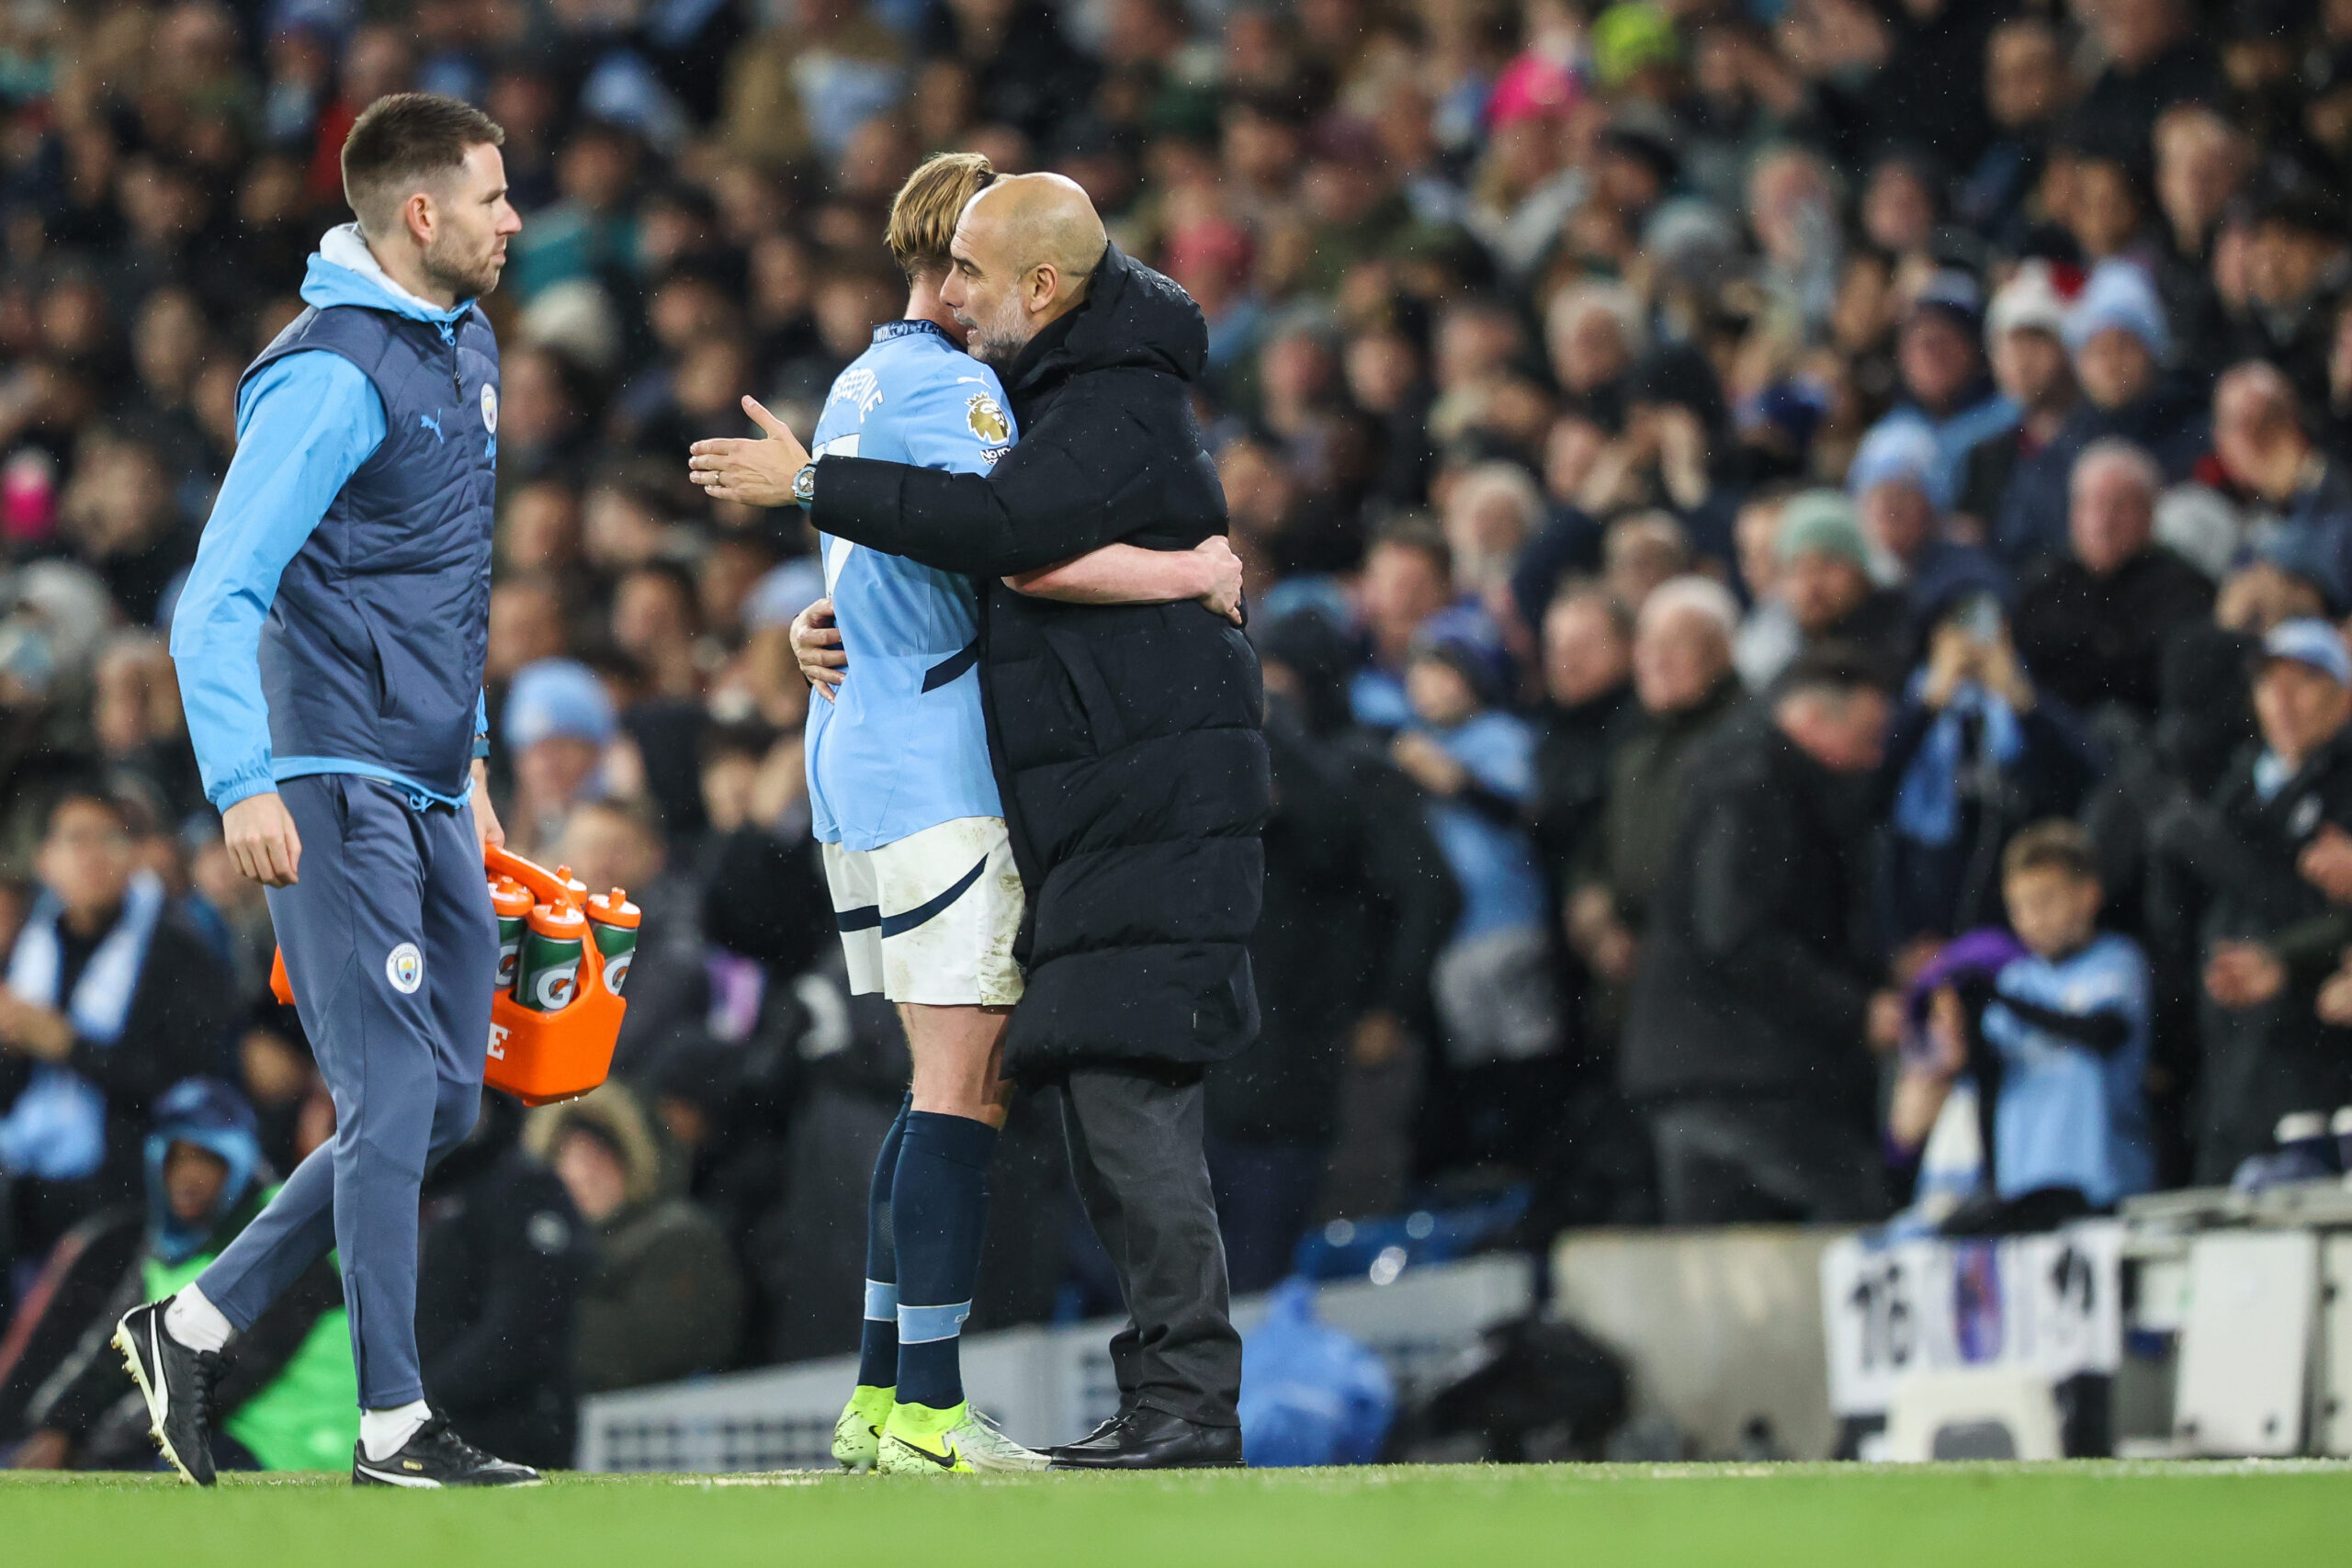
(1893, 482)
(2119, 344)
(1821, 521)
(1941, 362)
(559, 721)
(2024, 340)
(554, 698)
(1496, 1005)
(2118, 297)
(1824, 580)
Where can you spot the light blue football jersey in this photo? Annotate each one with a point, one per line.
(2068, 1116)
(902, 746)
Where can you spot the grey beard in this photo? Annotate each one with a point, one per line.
(996, 351)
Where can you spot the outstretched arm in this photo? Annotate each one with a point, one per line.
(1043, 503)
(1129, 574)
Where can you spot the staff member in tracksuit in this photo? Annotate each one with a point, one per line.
(329, 644)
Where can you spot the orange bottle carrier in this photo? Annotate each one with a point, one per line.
(538, 1057)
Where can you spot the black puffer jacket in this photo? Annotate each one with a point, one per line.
(1126, 738)
(1751, 981)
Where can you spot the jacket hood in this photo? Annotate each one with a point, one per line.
(612, 1115)
(1134, 317)
(212, 1116)
(344, 271)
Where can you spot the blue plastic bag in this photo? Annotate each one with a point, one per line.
(1309, 1394)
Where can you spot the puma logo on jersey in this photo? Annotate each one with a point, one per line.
(432, 422)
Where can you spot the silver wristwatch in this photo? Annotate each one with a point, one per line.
(804, 485)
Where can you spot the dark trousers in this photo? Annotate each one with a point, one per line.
(400, 1043)
(1727, 1162)
(1134, 1150)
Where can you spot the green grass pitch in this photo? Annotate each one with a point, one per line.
(2069, 1515)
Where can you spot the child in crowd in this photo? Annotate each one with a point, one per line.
(1492, 983)
(2054, 1041)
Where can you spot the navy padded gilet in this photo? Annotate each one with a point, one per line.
(374, 647)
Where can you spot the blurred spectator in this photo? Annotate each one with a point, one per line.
(1681, 665)
(2303, 495)
(2029, 365)
(1976, 753)
(2092, 624)
(2298, 265)
(1768, 636)
(1822, 571)
(2056, 1046)
(614, 843)
(121, 517)
(1492, 983)
(1590, 710)
(1753, 1014)
(2266, 1051)
(109, 1001)
(1893, 482)
(1942, 359)
(1408, 577)
(2117, 338)
(664, 1300)
(287, 1394)
(1359, 903)
(558, 722)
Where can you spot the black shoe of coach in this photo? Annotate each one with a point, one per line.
(1152, 1439)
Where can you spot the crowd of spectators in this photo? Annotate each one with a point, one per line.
(1797, 547)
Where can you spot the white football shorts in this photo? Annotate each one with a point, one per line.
(931, 917)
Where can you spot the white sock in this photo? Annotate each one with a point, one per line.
(383, 1433)
(194, 1321)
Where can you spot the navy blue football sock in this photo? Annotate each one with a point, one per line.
(878, 1345)
(939, 1204)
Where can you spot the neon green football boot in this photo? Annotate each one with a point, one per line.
(857, 1435)
(919, 1440)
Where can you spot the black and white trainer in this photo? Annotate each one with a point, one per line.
(176, 1382)
(434, 1457)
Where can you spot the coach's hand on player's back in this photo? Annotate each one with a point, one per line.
(817, 646)
(259, 832)
(759, 473)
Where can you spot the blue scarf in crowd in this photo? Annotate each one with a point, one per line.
(1926, 803)
(57, 1129)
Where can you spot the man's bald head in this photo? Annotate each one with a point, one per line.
(1023, 253)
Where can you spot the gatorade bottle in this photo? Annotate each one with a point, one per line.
(547, 976)
(613, 923)
(512, 901)
(572, 884)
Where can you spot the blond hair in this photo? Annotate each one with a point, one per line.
(923, 213)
